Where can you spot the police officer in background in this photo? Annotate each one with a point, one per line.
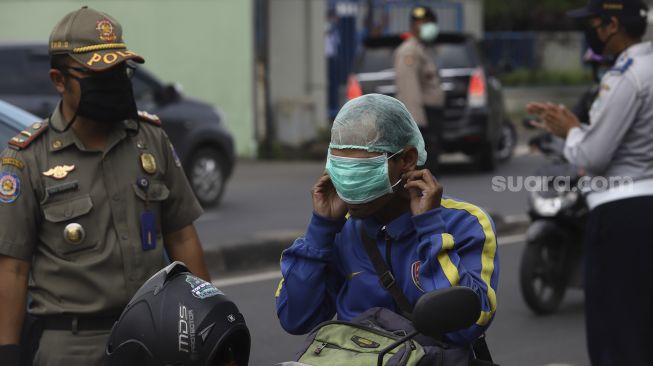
(617, 144)
(89, 198)
(418, 81)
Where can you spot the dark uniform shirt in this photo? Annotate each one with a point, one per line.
(55, 181)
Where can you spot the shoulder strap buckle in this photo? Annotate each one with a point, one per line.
(387, 280)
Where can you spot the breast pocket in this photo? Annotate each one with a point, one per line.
(152, 198)
(68, 227)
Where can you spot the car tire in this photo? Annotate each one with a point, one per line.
(206, 174)
(507, 142)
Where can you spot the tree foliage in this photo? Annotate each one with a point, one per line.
(525, 15)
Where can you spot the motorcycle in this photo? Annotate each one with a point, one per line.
(552, 259)
(435, 314)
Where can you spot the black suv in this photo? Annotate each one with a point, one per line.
(195, 128)
(475, 119)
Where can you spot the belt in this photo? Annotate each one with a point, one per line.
(76, 323)
(638, 188)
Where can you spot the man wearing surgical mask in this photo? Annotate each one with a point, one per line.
(90, 199)
(418, 81)
(427, 240)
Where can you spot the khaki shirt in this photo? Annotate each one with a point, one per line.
(99, 273)
(417, 79)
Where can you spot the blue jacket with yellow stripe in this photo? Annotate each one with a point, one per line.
(328, 272)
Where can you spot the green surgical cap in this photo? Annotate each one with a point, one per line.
(378, 123)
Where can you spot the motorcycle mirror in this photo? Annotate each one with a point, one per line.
(439, 312)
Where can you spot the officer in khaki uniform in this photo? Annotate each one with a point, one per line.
(88, 200)
(418, 81)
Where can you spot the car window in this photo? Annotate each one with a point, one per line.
(376, 59)
(13, 120)
(24, 72)
(6, 132)
(446, 56)
(452, 56)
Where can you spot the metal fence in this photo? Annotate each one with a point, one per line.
(510, 50)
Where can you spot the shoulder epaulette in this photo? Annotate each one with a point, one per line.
(149, 118)
(622, 68)
(26, 136)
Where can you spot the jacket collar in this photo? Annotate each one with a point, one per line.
(637, 49)
(398, 228)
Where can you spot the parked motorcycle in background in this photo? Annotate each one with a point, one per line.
(552, 259)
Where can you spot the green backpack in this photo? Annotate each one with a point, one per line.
(359, 343)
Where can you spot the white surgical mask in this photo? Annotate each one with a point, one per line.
(428, 32)
(360, 180)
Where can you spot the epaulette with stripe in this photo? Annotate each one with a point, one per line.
(26, 136)
(622, 68)
(149, 118)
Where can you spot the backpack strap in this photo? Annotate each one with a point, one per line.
(386, 278)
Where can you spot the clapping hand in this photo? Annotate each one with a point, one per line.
(553, 118)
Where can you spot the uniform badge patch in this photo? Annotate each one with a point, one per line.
(13, 161)
(9, 187)
(202, 289)
(105, 28)
(59, 171)
(419, 12)
(148, 163)
(414, 270)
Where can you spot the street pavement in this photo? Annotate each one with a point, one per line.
(517, 336)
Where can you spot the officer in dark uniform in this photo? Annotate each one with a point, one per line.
(616, 150)
(89, 198)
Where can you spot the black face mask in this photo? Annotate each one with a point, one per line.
(593, 40)
(106, 97)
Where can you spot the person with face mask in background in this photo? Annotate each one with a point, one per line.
(91, 199)
(418, 81)
(616, 145)
(427, 240)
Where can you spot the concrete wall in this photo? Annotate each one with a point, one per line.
(473, 17)
(559, 50)
(297, 74)
(207, 46)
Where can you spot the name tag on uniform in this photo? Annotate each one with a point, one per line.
(148, 230)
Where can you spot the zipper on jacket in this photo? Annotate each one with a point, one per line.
(408, 346)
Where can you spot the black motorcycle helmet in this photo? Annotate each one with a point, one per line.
(178, 319)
